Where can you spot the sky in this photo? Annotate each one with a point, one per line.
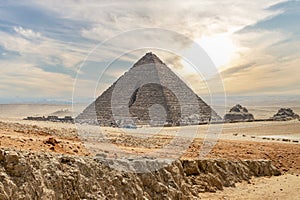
(45, 46)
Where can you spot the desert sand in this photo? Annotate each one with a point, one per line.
(275, 141)
(283, 187)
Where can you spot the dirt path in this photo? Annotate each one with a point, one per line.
(280, 187)
(64, 140)
(285, 156)
(34, 138)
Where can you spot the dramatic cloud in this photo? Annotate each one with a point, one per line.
(268, 61)
(249, 42)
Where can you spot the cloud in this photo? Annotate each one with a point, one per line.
(26, 80)
(53, 39)
(28, 33)
(36, 48)
(267, 65)
(190, 18)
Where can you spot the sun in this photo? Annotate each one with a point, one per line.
(220, 48)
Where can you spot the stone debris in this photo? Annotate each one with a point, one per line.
(238, 113)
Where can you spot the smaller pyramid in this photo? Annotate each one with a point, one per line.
(285, 114)
(150, 94)
(238, 113)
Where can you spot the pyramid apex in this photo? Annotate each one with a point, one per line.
(149, 58)
(151, 55)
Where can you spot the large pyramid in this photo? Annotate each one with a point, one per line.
(149, 93)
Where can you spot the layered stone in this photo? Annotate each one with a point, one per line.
(149, 93)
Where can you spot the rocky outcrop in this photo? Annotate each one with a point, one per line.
(238, 113)
(285, 114)
(53, 176)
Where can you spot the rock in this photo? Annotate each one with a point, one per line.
(101, 155)
(67, 160)
(238, 113)
(52, 176)
(2, 155)
(11, 157)
(285, 114)
(190, 168)
(51, 141)
(13, 164)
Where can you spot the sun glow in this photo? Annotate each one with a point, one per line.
(220, 48)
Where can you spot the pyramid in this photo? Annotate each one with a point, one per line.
(149, 94)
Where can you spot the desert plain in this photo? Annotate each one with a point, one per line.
(277, 141)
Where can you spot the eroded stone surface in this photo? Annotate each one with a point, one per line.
(52, 176)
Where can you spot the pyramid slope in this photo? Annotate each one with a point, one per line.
(149, 93)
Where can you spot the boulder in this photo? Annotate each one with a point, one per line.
(238, 113)
(285, 114)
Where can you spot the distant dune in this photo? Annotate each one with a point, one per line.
(19, 111)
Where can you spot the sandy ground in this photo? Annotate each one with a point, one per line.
(274, 188)
(277, 141)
